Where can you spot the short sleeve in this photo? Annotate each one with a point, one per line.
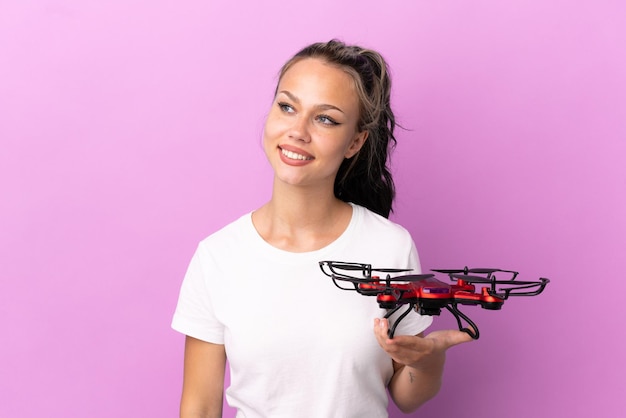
(194, 315)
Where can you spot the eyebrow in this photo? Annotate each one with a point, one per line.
(320, 106)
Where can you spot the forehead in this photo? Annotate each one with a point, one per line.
(317, 82)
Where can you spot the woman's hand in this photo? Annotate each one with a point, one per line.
(417, 351)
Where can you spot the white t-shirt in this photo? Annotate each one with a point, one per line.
(297, 345)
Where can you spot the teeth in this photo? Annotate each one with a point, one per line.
(294, 156)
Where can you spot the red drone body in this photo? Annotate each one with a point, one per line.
(433, 290)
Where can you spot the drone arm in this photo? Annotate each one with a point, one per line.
(472, 331)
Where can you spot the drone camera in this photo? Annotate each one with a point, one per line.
(492, 306)
(428, 311)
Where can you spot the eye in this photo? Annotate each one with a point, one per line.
(285, 107)
(327, 120)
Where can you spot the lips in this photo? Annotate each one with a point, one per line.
(294, 156)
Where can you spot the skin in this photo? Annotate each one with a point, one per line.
(203, 379)
(310, 129)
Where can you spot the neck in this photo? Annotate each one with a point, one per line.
(301, 219)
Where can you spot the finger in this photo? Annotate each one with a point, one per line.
(450, 338)
(460, 337)
(381, 329)
(454, 337)
(410, 341)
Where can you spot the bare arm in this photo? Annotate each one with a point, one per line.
(410, 387)
(418, 363)
(203, 379)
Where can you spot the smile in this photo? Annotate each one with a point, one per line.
(294, 156)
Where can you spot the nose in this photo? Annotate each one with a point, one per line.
(299, 130)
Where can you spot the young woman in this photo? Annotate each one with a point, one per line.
(254, 294)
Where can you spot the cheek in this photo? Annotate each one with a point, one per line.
(267, 143)
(273, 128)
(271, 136)
(268, 132)
(348, 142)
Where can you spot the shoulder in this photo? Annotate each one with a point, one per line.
(382, 242)
(378, 224)
(227, 237)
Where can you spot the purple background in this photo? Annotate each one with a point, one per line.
(131, 129)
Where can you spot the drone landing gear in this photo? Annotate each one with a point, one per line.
(472, 330)
(392, 329)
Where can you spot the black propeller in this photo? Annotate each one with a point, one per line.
(357, 267)
(412, 277)
(469, 270)
(471, 279)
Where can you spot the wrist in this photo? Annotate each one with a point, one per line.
(432, 362)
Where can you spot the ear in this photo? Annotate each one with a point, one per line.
(356, 144)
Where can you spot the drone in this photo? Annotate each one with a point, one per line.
(429, 295)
